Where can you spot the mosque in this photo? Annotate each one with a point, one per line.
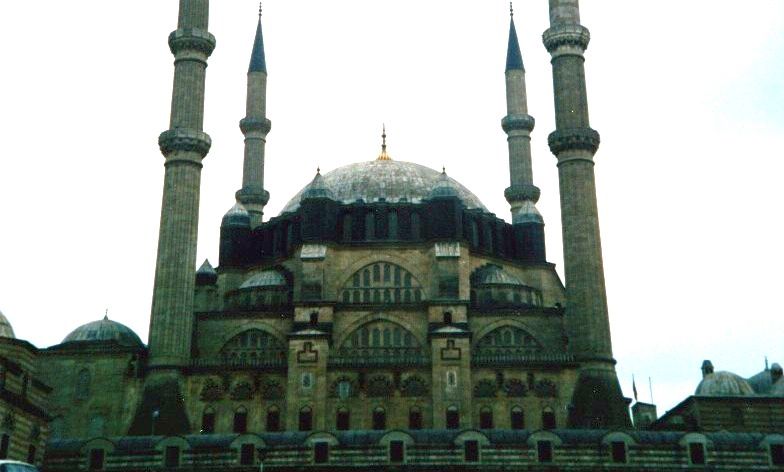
(385, 319)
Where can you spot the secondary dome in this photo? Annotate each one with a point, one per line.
(105, 330)
(723, 384)
(387, 180)
(6, 331)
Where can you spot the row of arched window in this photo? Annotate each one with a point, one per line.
(381, 225)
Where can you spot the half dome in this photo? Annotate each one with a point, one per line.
(385, 180)
(105, 330)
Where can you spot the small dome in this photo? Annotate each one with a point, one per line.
(444, 187)
(105, 330)
(6, 331)
(723, 384)
(267, 278)
(317, 188)
(236, 216)
(495, 275)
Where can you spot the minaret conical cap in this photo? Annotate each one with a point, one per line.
(514, 60)
(258, 62)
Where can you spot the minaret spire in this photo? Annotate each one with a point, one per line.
(597, 401)
(184, 146)
(384, 156)
(255, 127)
(522, 194)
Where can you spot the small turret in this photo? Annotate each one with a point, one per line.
(317, 188)
(206, 274)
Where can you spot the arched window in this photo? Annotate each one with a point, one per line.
(305, 419)
(347, 227)
(548, 418)
(241, 420)
(82, 390)
(208, 421)
(447, 317)
(342, 419)
(379, 418)
(486, 418)
(452, 418)
(415, 418)
(416, 227)
(370, 225)
(392, 225)
(382, 282)
(253, 347)
(517, 418)
(273, 419)
(474, 234)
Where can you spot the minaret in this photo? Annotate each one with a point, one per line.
(184, 146)
(522, 194)
(255, 127)
(597, 400)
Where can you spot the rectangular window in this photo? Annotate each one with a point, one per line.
(172, 457)
(320, 452)
(618, 452)
(397, 451)
(4, 443)
(247, 454)
(544, 451)
(777, 454)
(471, 451)
(697, 453)
(96, 459)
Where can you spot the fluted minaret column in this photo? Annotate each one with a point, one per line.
(255, 127)
(184, 146)
(521, 194)
(597, 401)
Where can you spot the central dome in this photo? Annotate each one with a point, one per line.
(385, 180)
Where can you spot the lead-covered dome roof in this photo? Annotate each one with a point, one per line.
(386, 180)
(723, 384)
(6, 331)
(105, 330)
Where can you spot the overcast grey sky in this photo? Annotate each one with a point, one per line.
(687, 95)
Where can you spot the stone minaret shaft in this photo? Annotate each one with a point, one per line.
(255, 127)
(518, 125)
(597, 401)
(184, 146)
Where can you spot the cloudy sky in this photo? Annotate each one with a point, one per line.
(688, 98)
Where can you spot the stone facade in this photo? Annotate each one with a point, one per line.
(24, 399)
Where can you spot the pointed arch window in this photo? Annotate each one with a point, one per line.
(486, 418)
(342, 419)
(379, 418)
(517, 418)
(208, 421)
(305, 419)
(241, 420)
(273, 419)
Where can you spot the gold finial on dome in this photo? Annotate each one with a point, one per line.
(384, 156)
